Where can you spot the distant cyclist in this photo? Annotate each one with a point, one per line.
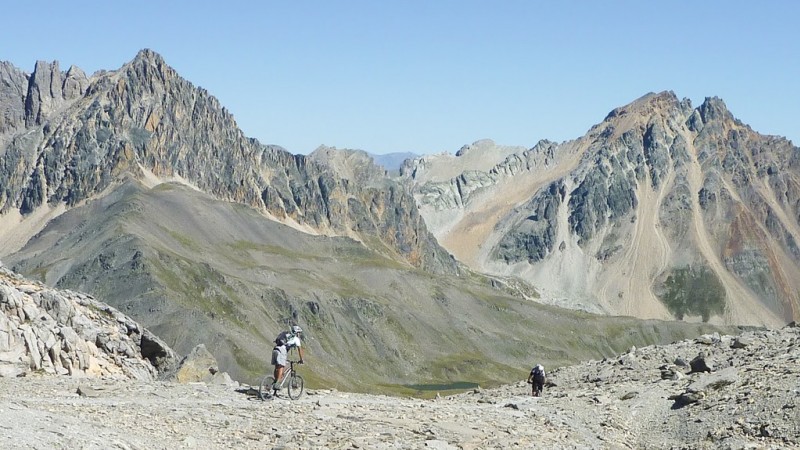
(536, 380)
(286, 341)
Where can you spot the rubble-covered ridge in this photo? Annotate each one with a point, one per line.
(712, 392)
(49, 331)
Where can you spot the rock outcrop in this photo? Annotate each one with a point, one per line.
(200, 366)
(44, 330)
(49, 89)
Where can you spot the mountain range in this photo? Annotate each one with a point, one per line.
(137, 187)
(661, 210)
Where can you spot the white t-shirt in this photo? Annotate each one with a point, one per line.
(293, 341)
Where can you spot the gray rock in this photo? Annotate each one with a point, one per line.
(439, 445)
(628, 360)
(708, 339)
(88, 391)
(687, 398)
(671, 374)
(160, 355)
(701, 363)
(602, 376)
(742, 342)
(223, 378)
(12, 370)
(44, 92)
(715, 381)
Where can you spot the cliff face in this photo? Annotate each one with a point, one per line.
(661, 210)
(68, 138)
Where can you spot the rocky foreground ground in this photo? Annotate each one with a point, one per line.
(743, 393)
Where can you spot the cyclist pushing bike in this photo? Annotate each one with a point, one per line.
(285, 341)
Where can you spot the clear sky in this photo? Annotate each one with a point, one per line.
(429, 76)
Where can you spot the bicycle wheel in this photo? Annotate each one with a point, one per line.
(295, 386)
(265, 389)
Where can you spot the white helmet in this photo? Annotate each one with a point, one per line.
(296, 329)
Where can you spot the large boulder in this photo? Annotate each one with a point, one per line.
(701, 363)
(200, 366)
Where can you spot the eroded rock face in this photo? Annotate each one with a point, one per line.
(44, 330)
(534, 238)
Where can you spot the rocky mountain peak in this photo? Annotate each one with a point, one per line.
(477, 146)
(149, 56)
(48, 89)
(13, 88)
(150, 72)
(43, 89)
(646, 105)
(714, 108)
(353, 165)
(75, 83)
(652, 109)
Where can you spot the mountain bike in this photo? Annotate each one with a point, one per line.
(291, 380)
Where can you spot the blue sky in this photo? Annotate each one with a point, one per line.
(430, 76)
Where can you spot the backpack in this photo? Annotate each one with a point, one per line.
(282, 338)
(538, 373)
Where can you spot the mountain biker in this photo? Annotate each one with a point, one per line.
(536, 380)
(285, 341)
